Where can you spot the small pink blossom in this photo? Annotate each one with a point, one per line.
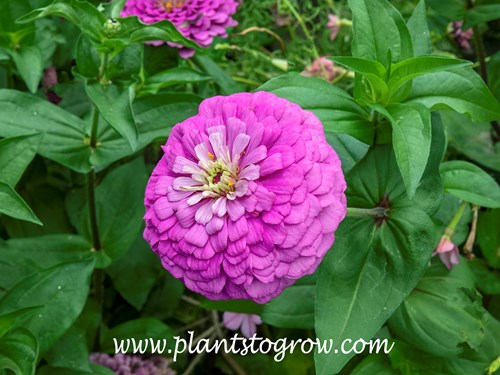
(322, 68)
(461, 37)
(247, 323)
(334, 26)
(448, 252)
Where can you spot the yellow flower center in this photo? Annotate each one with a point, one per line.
(171, 4)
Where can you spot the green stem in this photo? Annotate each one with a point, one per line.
(450, 229)
(377, 212)
(103, 70)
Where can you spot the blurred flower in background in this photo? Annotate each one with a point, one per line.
(246, 323)
(334, 24)
(123, 364)
(322, 68)
(461, 37)
(198, 20)
(50, 80)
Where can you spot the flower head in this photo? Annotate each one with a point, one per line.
(323, 68)
(448, 252)
(334, 25)
(247, 323)
(198, 20)
(123, 364)
(246, 197)
(461, 37)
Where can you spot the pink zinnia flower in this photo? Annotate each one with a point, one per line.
(247, 323)
(198, 20)
(448, 252)
(246, 198)
(322, 68)
(334, 26)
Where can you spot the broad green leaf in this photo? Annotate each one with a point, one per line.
(481, 14)
(375, 33)
(29, 64)
(141, 262)
(81, 13)
(419, 30)
(64, 138)
(417, 66)
(62, 290)
(163, 301)
(13, 205)
(348, 149)
(233, 305)
(459, 89)
(10, 320)
(357, 291)
(115, 106)
(9, 11)
(286, 311)
(472, 140)
(171, 77)
(488, 236)
(442, 316)
(377, 364)
(336, 109)
(373, 71)
(18, 352)
(487, 279)
(155, 116)
(16, 154)
(470, 183)
(139, 329)
(23, 257)
(120, 208)
(411, 137)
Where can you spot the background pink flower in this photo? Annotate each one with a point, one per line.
(323, 68)
(246, 198)
(247, 323)
(198, 20)
(448, 252)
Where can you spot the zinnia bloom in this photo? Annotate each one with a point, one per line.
(198, 20)
(448, 252)
(246, 197)
(247, 323)
(123, 364)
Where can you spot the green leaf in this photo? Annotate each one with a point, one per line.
(459, 89)
(23, 257)
(64, 138)
(233, 305)
(336, 109)
(115, 106)
(442, 316)
(419, 30)
(481, 14)
(450, 9)
(9, 11)
(374, 364)
(470, 183)
(142, 262)
(155, 116)
(411, 137)
(171, 77)
(487, 279)
(18, 352)
(81, 13)
(62, 289)
(359, 290)
(11, 320)
(488, 236)
(13, 205)
(285, 312)
(417, 66)
(16, 154)
(220, 76)
(349, 149)
(377, 33)
(120, 208)
(373, 71)
(472, 140)
(29, 64)
(139, 329)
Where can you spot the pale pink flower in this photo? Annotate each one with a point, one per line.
(246, 323)
(334, 26)
(448, 252)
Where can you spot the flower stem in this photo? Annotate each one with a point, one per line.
(376, 212)
(450, 229)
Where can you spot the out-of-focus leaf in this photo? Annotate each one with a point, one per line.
(15, 155)
(29, 64)
(13, 205)
(419, 30)
(18, 352)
